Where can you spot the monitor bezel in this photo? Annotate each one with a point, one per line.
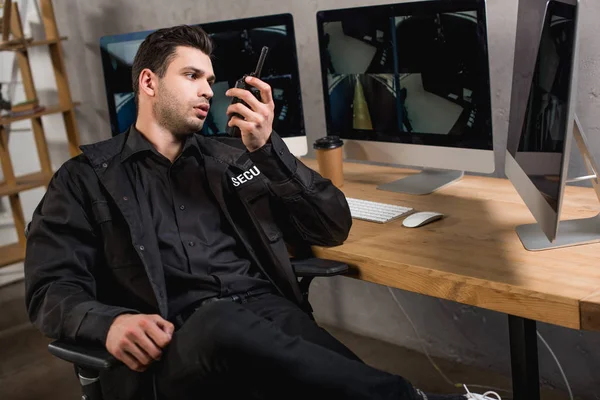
(298, 142)
(415, 8)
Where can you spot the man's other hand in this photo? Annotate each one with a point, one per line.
(137, 340)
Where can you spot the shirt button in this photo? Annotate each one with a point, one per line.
(182, 207)
(125, 198)
(142, 248)
(104, 165)
(191, 244)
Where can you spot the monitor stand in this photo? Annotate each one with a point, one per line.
(424, 182)
(572, 232)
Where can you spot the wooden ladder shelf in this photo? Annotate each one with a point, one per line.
(13, 185)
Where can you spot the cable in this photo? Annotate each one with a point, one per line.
(458, 385)
(488, 387)
(421, 341)
(557, 363)
(437, 368)
(486, 395)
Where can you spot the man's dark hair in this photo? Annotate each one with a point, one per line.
(158, 49)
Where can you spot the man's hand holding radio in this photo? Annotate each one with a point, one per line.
(257, 123)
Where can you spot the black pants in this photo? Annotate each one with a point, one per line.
(267, 348)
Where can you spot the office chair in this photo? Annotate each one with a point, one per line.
(89, 360)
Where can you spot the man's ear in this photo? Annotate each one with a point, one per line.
(147, 82)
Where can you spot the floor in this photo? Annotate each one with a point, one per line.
(29, 372)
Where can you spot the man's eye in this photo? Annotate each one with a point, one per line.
(191, 75)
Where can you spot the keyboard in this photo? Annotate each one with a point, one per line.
(376, 212)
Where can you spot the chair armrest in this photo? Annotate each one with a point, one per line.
(312, 267)
(85, 356)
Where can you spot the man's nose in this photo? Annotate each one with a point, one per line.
(206, 91)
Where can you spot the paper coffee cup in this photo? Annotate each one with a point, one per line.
(329, 159)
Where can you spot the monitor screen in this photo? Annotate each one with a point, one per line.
(414, 73)
(237, 47)
(541, 143)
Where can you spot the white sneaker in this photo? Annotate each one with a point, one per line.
(485, 396)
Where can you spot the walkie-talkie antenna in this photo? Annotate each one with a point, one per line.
(261, 61)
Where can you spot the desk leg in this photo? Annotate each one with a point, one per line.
(524, 358)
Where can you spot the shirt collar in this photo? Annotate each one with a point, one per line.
(137, 143)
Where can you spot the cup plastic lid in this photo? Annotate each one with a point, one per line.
(328, 142)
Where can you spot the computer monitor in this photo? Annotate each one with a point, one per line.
(237, 47)
(543, 122)
(409, 84)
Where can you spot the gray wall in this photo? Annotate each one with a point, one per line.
(451, 330)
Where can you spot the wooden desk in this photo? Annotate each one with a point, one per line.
(474, 257)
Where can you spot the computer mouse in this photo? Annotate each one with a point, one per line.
(421, 218)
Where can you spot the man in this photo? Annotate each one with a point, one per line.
(169, 248)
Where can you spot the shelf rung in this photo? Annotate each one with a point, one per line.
(11, 254)
(47, 110)
(19, 45)
(25, 182)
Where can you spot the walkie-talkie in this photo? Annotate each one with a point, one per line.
(241, 84)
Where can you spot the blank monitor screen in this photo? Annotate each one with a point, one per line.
(414, 73)
(541, 143)
(237, 47)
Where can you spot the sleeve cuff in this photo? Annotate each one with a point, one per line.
(275, 160)
(97, 322)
